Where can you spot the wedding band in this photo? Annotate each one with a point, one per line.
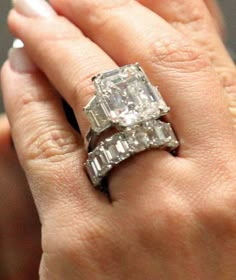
(122, 145)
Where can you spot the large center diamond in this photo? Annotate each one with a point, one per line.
(127, 95)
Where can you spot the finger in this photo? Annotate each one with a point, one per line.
(51, 65)
(217, 16)
(71, 67)
(182, 72)
(5, 137)
(19, 223)
(48, 148)
(192, 18)
(16, 204)
(71, 59)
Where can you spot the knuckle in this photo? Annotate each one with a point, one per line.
(188, 14)
(176, 55)
(32, 97)
(65, 32)
(28, 100)
(50, 143)
(228, 78)
(99, 12)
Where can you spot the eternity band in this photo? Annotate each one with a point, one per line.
(122, 145)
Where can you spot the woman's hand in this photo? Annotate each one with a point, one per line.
(19, 223)
(170, 217)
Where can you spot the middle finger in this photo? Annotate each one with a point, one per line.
(130, 32)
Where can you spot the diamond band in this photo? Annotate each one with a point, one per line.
(124, 97)
(119, 147)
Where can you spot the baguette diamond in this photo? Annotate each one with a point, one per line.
(112, 151)
(117, 148)
(97, 115)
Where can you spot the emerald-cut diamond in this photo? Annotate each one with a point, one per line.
(122, 145)
(128, 97)
(162, 134)
(173, 142)
(116, 149)
(138, 140)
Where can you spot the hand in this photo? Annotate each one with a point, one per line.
(170, 217)
(19, 223)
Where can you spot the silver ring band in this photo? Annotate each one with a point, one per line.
(122, 145)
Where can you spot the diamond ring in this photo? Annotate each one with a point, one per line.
(125, 100)
(124, 97)
(122, 145)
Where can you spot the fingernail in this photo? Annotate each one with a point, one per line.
(17, 43)
(19, 59)
(33, 8)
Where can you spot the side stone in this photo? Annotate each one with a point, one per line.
(97, 115)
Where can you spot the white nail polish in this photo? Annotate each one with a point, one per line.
(20, 61)
(17, 44)
(34, 8)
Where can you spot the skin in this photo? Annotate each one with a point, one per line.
(178, 224)
(19, 223)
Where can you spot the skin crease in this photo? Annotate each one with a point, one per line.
(174, 207)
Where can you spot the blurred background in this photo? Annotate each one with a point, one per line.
(228, 7)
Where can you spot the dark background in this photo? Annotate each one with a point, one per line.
(228, 6)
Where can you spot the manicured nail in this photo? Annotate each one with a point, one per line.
(17, 43)
(19, 59)
(33, 8)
